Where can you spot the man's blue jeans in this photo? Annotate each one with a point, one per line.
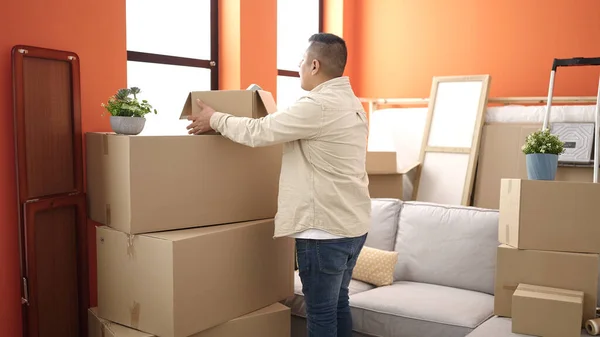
(325, 268)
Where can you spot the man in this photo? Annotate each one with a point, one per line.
(324, 201)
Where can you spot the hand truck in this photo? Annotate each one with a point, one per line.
(574, 62)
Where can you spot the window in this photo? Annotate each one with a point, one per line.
(172, 49)
(296, 22)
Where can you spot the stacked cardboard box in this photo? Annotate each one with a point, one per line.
(549, 253)
(272, 321)
(187, 245)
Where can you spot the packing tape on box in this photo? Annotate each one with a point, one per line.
(533, 289)
(105, 144)
(130, 247)
(134, 315)
(592, 326)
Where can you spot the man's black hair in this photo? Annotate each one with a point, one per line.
(331, 52)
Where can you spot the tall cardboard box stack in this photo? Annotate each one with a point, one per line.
(186, 247)
(548, 260)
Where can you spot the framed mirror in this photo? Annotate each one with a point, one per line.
(450, 145)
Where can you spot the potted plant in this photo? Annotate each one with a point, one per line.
(127, 112)
(541, 151)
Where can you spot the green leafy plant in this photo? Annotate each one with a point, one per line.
(126, 104)
(542, 141)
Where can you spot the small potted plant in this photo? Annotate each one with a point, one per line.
(541, 151)
(127, 112)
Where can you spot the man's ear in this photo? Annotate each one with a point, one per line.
(315, 66)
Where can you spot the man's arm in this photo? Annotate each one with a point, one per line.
(302, 120)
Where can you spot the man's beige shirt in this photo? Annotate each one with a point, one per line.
(323, 183)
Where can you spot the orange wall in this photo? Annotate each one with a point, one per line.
(248, 44)
(402, 44)
(339, 18)
(96, 31)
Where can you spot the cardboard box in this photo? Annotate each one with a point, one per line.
(142, 184)
(178, 283)
(574, 271)
(272, 321)
(381, 162)
(99, 327)
(386, 186)
(500, 156)
(242, 103)
(550, 215)
(392, 185)
(546, 311)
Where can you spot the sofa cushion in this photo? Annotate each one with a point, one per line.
(418, 309)
(296, 302)
(500, 327)
(384, 223)
(453, 246)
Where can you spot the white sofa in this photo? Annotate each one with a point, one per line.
(443, 280)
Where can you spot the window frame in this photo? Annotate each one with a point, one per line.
(291, 73)
(211, 64)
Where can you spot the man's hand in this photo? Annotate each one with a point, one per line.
(201, 121)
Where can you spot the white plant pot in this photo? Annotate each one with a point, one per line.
(127, 125)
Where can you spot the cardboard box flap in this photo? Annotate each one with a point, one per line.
(188, 107)
(268, 101)
(235, 102)
(184, 234)
(409, 168)
(276, 307)
(549, 293)
(244, 103)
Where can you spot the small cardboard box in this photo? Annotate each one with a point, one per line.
(550, 215)
(241, 103)
(143, 184)
(546, 311)
(179, 283)
(575, 271)
(391, 185)
(386, 186)
(380, 162)
(272, 321)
